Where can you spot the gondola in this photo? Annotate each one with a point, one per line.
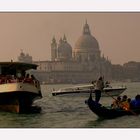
(107, 112)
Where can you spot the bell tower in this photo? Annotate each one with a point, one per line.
(53, 49)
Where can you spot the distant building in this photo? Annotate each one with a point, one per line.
(80, 64)
(132, 71)
(24, 57)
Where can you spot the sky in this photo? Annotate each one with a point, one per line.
(118, 34)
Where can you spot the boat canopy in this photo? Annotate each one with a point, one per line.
(15, 67)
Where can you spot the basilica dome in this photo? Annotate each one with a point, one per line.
(86, 42)
(64, 50)
(86, 47)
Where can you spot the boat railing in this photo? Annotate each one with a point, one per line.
(76, 88)
(6, 80)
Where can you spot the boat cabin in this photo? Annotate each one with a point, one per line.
(11, 72)
(14, 68)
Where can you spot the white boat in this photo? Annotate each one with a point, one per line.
(86, 89)
(18, 92)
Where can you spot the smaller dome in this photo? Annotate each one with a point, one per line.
(21, 53)
(64, 49)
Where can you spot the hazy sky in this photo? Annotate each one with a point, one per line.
(118, 34)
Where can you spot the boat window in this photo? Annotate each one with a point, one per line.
(7, 71)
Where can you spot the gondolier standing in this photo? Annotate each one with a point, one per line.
(99, 88)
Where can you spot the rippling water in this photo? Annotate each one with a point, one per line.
(69, 112)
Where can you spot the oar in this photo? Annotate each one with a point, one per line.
(123, 105)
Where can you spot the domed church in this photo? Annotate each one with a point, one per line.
(87, 47)
(81, 63)
(63, 52)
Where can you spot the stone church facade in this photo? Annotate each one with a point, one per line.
(79, 64)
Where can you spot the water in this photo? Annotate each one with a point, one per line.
(69, 112)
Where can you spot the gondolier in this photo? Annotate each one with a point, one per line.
(98, 89)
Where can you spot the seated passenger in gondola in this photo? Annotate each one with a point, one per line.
(129, 102)
(116, 103)
(135, 103)
(122, 104)
(125, 103)
(124, 98)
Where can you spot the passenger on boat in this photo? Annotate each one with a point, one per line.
(129, 100)
(3, 79)
(107, 84)
(28, 79)
(124, 98)
(13, 79)
(125, 103)
(35, 81)
(135, 103)
(116, 103)
(99, 88)
(33, 78)
(93, 82)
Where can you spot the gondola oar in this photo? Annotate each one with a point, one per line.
(123, 105)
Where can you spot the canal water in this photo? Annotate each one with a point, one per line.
(69, 112)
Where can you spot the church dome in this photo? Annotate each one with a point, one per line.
(22, 54)
(64, 50)
(86, 42)
(86, 47)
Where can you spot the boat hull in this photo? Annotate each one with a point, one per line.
(108, 113)
(106, 92)
(18, 97)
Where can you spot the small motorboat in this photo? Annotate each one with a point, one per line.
(86, 89)
(107, 112)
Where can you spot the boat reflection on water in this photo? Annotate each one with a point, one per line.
(95, 123)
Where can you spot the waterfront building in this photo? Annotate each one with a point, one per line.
(24, 57)
(79, 64)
